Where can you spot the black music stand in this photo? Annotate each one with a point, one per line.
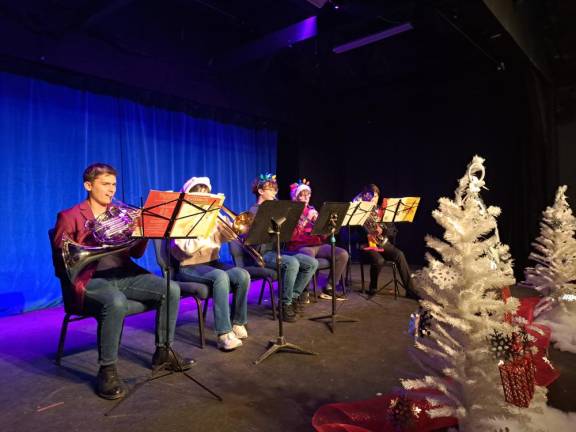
(275, 221)
(171, 218)
(328, 223)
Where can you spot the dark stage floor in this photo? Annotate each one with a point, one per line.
(359, 361)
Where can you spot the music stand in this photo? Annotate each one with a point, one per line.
(399, 209)
(356, 215)
(329, 221)
(165, 213)
(275, 221)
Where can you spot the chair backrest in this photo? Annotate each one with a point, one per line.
(240, 257)
(65, 285)
(162, 257)
(237, 253)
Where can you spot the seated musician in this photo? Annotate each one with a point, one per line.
(297, 270)
(377, 253)
(199, 262)
(315, 246)
(103, 288)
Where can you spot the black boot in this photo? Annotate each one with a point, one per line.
(298, 306)
(109, 384)
(169, 359)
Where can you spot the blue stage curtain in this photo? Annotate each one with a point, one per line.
(49, 133)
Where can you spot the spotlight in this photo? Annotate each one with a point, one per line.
(318, 3)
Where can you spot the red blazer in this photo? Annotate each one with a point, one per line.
(73, 223)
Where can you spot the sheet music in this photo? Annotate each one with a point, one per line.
(196, 218)
(357, 213)
(399, 209)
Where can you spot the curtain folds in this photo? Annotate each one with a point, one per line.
(50, 133)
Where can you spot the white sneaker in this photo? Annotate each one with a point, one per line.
(228, 341)
(240, 331)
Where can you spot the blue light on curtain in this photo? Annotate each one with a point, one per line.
(49, 133)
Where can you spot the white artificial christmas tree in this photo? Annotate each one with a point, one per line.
(461, 294)
(554, 274)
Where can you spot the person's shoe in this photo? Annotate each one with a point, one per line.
(327, 292)
(305, 297)
(109, 385)
(169, 359)
(288, 313)
(240, 331)
(298, 306)
(228, 341)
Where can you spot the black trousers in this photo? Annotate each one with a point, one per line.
(376, 259)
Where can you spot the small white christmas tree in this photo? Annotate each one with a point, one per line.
(461, 292)
(554, 274)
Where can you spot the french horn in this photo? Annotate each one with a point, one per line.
(112, 229)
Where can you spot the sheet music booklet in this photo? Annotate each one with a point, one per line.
(357, 213)
(196, 217)
(399, 209)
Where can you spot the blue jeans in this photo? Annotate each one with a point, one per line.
(296, 272)
(222, 279)
(107, 295)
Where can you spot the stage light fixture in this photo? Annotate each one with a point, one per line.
(318, 3)
(357, 43)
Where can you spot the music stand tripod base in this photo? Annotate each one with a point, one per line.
(280, 344)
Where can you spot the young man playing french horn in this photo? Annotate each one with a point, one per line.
(103, 288)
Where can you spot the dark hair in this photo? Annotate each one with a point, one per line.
(259, 184)
(371, 188)
(97, 169)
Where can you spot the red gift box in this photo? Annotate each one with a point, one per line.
(518, 380)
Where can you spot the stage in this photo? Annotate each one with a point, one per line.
(360, 361)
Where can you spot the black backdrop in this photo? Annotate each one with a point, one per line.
(418, 141)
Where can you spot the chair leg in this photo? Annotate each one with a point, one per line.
(271, 286)
(315, 285)
(343, 285)
(348, 277)
(362, 276)
(261, 292)
(205, 309)
(395, 281)
(63, 332)
(200, 322)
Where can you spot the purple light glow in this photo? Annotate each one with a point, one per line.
(372, 38)
(271, 43)
(33, 336)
